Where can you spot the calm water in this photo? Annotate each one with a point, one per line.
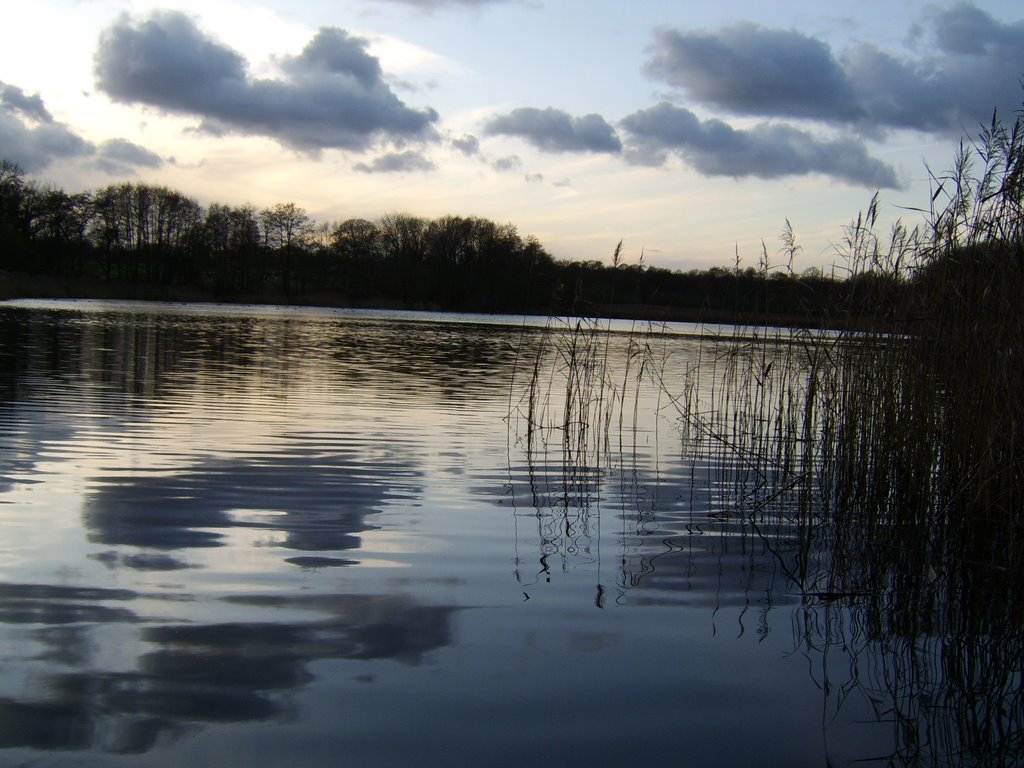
(258, 536)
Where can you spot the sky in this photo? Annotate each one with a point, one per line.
(690, 132)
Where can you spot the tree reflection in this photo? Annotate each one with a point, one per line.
(172, 353)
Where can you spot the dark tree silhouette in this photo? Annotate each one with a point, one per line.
(148, 240)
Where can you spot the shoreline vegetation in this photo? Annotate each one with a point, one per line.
(20, 285)
(139, 241)
(882, 468)
(910, 421)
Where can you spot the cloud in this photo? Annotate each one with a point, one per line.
(711, 147)
(431, 5)
(507, 164)
(971, 64)
(120, 156)
(34, 148)
(32, 138)
(714, 148)
(467, 145)
(331, 95)
(553, 130)
(964, 29)
(14, 99)
(748, 69)
(397, 162)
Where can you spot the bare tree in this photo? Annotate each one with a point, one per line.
(286, 228)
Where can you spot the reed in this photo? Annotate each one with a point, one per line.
(882, 466)
(895, 455)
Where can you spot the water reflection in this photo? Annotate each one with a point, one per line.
(907, 629)
(193, 673)
(47, 604)
(155, 354)
(174, 434)
(667, 535)
(218, 522)
(319, 502)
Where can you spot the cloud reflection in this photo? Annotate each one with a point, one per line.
(51, 604)
(319, 502)
(191, 674)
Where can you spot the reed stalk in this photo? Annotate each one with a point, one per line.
(883, 466)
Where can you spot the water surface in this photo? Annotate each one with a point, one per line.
(264, 536)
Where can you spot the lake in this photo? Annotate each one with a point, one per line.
(275, 536)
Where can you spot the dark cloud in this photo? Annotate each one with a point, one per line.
(553, 130)
(748, 69)
(507, 164)
(971, 63)
(714, 148)
(397, 162)
(966, 30)
(906, 96)
(333, 52)
(332, 95)
(32, 138)
(14, 99)
(468, 145)
(120, 156)
(711, 147)
(36, 147)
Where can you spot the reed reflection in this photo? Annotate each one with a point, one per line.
(908, 614)
(597, 458)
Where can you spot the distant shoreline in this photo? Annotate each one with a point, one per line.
(18, 285)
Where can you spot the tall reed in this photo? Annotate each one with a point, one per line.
(883, 465)
(898, 453)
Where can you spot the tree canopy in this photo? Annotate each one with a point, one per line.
(131, 236)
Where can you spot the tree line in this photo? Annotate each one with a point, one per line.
(136, 235)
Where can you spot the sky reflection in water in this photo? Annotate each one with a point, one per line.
(261, 535)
